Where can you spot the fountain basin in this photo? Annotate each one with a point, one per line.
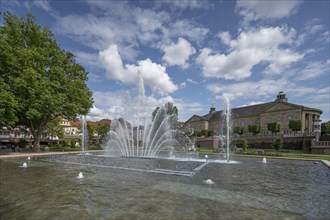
(49, 189)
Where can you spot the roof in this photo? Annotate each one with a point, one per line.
(199, 117)
(75, 123)
(241, 111)
(252, 110)
(94, 124)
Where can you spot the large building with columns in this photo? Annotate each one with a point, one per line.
(280, 111)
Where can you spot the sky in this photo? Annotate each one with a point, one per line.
(192, 53)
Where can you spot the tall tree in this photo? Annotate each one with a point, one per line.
(41, 80)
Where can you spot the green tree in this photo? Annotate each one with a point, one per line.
(8, 104)
(274, 127)
(239, 130)
(54, 129)
(41, 80)
(90, 132)
(102, 131)
(295, 125)
(325, 128)
(255, 129)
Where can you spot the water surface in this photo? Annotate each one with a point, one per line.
(279, 189)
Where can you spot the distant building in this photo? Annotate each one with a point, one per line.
(71, 130)
(280, 111)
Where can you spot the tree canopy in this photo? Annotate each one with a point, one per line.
(39, 80)
(169, 109)
(295, 125)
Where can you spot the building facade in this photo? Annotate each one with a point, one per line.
(279, 112)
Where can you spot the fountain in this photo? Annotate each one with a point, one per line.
(264, 160)
(208, 181)
(152, 132)
(227, 122)
(24, 165)
(80, 175)
(84, 134)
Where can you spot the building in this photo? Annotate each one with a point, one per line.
(72, 131)
(279, 112)
(70, 127)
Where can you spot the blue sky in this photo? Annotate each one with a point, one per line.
(193, 53)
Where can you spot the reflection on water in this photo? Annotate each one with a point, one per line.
(278, 189)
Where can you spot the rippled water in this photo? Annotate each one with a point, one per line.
(279, 189)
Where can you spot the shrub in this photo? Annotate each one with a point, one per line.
(277, 145)
(242, 142)
(22, 143)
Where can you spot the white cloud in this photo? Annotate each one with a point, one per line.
(152, 74)
(265, 88)
(183, 85)
(192, 81)
(185, 4)
(314, 29)
(96, 114)
(313, 70)
(100, 32)
(121, 104)
(264, 45)
(178, 54)
(186, 28)
(128, 26)
(87, 59)
(187, 108)
(266, 9)
(44, 4)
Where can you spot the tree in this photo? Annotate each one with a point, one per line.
(255, 129)
(295, 125)
(8, 105)
(239, 130)
(102, 131)
(169, 109)
(54, 129)
(41, 80)
(274, 127)
(325, 128)
(90, 133)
